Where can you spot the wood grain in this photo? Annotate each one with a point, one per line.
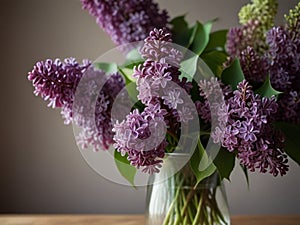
(130, 220)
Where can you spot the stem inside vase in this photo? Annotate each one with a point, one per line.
(177, 201)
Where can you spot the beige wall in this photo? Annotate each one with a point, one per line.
(41, 170)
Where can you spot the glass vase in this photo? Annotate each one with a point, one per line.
(179, 200)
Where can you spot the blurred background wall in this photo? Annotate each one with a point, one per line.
(41, 169)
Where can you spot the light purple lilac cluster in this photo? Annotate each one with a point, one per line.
(126, 20)
(161, 91)
(213, 105)
(280, 59)
(92, 109)
(57, 82)
(141, 137)
(244, 125)
(158, 77)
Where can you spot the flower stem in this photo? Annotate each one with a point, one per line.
(198, 212)
(172, 204)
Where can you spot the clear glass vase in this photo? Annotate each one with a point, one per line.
(177, 200)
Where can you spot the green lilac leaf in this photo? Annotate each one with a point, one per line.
(195, 68)
(233, 74)
(207, 28)
(217, 41)
(134, 56)
(200, 37)
(188, 67)
(108, 68)
(225, 162)
(292, 140)
(126, 170)
(245, 171)
(127, 74)
(180, 31)
(207, 168)
(215, 61)
(130, 83)
(266, 90)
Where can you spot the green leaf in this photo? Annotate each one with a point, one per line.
(180, 31)
(215, 61)
(266, 90)
(195, 67)
(126, 170)
(207, 29)
(133, 57)
(217, 41)
(292, 140)
(130, 83)
(108, 68)
(225, 162)
(200, 37)
(188, 67)
(233, 74)
(201, 165)
(127, 74)
(245, 171)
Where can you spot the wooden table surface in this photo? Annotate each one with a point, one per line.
(130, 220)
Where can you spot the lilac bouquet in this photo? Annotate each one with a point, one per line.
(249, 105)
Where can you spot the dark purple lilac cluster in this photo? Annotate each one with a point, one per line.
(280, 58)
(126, 20)
(247, 43)
(161, 91)
(238, 38)
(284, 57)
(244, 125)
(254, 66)
(58, 82)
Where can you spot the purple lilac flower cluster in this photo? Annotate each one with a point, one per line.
(92, 108)
(161, 91)
(284, 57)
(141, 137)
(57, 82)
(158, 77)
(126, 20)
(244, 125)
(280, 59)
(238, 38)
(254, 66)
(247, 43)
(214, 94)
